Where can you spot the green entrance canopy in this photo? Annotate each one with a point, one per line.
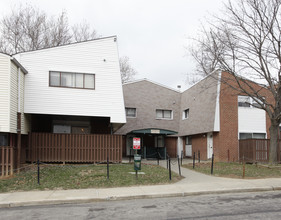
(153, 131)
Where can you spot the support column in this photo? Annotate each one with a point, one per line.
(18, 139)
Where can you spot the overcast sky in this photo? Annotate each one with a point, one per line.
(152, 33)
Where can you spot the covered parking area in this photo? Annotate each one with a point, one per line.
(153, 142)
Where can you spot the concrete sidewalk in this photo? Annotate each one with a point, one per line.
(193, 184)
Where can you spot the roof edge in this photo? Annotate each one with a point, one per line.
(151, 81)
(96, 39)
(17, 63)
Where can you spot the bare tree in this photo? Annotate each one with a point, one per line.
(28, 28)
(127, 71)
(83, 31)
(245, 41)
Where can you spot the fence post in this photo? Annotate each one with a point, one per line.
(12, 161)
(3, 162)
(193, 160)
(38, 172)
(179, 165)
(170, 173)
(243, 174)
(212, 166)
(181, 156)
(107, 168)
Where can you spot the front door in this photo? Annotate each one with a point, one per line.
(210, 144)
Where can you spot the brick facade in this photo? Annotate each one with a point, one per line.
(213, 108)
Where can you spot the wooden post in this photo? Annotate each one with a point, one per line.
(243, 175)
(18, 140)
(11, 161)
(3, 160)
(7, 161)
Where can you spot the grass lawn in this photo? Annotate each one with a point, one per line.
(235, 170)
(85, 176)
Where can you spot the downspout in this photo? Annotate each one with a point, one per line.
(19, 122)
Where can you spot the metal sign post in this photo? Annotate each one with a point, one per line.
(137, 157)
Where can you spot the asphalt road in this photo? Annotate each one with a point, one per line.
(265, 205)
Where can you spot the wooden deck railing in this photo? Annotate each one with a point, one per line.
(256, 150)
(77, 148)
(6, 161)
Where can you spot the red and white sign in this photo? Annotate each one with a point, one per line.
(136, 143)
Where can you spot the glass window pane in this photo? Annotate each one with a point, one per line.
(245, 136)
(60, 129)
(244, 101)
(79, 80)
(186, 113)
(167, 114)
(67, 79)
(188, 140)
(89, 81)
(159, 114)
(54, 79)
(131, 112)
(259, 135)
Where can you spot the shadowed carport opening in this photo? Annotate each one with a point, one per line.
(152, 142)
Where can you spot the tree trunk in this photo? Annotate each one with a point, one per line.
(274, 145)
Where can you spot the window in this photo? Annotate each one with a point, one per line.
(62, 129)
(185, 114)
(131, 112)
(80, 130)
(188, 140)
(163, 114)
(246, 101)
(72, 80)
(251, 136)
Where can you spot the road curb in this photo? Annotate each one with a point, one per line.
(144, 196)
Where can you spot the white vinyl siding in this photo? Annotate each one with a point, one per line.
(25, 120)
(4, 93)
(99, 57)
(14, 99)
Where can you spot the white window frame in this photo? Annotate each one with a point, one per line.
(163, 114)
